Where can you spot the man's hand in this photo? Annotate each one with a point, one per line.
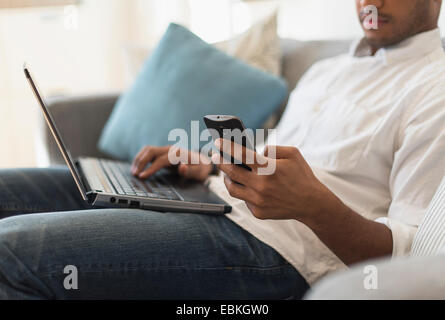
(290, 192)
(158, 157)
(293, 192)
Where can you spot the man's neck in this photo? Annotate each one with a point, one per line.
(374, 48)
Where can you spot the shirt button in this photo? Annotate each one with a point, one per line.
(316, 109)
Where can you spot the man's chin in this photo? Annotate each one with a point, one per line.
(377, 40)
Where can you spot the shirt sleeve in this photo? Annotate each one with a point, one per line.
(418, 167)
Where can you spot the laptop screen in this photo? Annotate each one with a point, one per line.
(56, 134)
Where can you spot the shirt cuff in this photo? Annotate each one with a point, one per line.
(402, 236)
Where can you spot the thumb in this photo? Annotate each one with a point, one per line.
(191, 171)
(184, 170)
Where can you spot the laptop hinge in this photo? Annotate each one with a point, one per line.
(91, 195)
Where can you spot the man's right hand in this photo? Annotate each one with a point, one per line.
(158, 157)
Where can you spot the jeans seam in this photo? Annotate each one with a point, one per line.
(14, 206)
(82, 269)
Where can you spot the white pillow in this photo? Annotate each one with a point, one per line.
(259, 46)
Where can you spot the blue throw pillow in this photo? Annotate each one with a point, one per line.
(183, 80)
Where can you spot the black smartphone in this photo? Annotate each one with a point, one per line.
(230, 128)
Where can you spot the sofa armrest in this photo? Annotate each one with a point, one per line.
(417, 278)
(80, 120)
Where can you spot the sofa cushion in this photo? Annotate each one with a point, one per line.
(183, 80)
(430, 237)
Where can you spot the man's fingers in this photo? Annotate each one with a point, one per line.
(146, 156)
(137, 159)
(236, 173)
(241, 154)
(189, 171)
(277, 152)
(158, 164)
(184, 170)
(236, 190)
(196, 172)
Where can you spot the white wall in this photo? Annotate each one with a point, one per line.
(63, 61)
(301, 19)
(319, 19)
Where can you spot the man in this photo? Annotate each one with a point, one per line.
(359, 156)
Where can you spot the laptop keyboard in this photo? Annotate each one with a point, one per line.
(126, 184)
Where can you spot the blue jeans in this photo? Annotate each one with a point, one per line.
(125, 253)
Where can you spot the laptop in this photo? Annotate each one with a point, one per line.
(110, 184)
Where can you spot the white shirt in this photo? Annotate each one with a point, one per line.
(373, 131)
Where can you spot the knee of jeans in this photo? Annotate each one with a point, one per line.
(13, 234)
(9, 238)
(24, 241)
(19, 248)
(7, 234)
(19, 263)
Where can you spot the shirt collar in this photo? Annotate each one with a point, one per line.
(414, 47)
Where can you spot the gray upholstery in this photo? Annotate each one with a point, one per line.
(299, 56)
(404, 279)
(81, 119)
(420, 276)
